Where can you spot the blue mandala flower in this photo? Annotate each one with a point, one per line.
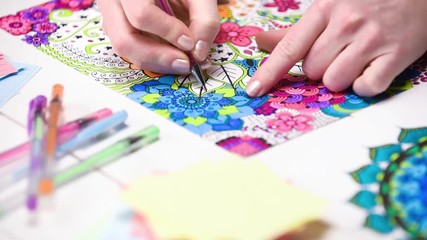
(401, 177)
(213, 111)
(250, 64)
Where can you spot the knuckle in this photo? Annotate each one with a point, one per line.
(372, 41)
(372, 85)
(312, 67)
(121, 46)
(374, 32)
(330, 85)
(212, 25)
(144, 66)
(400, 48)
(152, 56)
(288, 49)
(138, 18)
(310, 70)
(351, 21)
(324, 5)
(169, 29)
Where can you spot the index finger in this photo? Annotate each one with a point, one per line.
(204, 24)
(147, 17)
(292, 48)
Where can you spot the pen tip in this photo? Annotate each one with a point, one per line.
(197, 73)
(32, 203)
(46, 187)
(57, 90)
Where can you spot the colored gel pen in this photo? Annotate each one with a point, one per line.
(93, 131)
(15, 165)
(65, 133)
(115, 151)
(36, 131)
(46, 186)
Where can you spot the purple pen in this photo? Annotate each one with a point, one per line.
(65, 132)
(36, 132)
(36, 103)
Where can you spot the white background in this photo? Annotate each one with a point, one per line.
(318, 162)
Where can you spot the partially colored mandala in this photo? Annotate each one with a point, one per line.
(216, 110)
(399, 172)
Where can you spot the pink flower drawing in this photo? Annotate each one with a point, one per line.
(285, 122)
(283, 5)
(237, 35)
(45, 27)
(74, 5)
(15, 25)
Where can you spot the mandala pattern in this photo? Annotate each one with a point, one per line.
(216, 111)
(401, 179)
(70, 31)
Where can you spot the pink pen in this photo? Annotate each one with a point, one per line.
(65, 132)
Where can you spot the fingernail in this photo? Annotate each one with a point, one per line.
(254, 88)
(181, 66)
(201, 50)
(186, 42)
(206, 64)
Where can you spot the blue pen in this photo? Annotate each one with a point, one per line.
(93, 131)
(35, 126)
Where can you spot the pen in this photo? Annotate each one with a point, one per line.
(36, 131)
(65, 133)
(109, 154)
(195, 66)
(55, 107)
(93, 131)
(14, 171)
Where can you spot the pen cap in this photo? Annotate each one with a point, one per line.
(149, 134)
(142, 138)
(83, 122)
(57, 91)
(94, 130)
(36, 104)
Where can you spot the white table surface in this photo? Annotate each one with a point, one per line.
(318, 162)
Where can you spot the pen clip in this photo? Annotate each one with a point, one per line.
(146, 135)
(83, 122)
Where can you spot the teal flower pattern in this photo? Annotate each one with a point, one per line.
(401, 178)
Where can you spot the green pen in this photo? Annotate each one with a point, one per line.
(109, 154)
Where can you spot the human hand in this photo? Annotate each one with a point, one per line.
(364, 44)
(144, 34)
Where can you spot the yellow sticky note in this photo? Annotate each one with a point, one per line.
(230, 199)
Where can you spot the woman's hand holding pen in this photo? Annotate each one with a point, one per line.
(151, 39)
